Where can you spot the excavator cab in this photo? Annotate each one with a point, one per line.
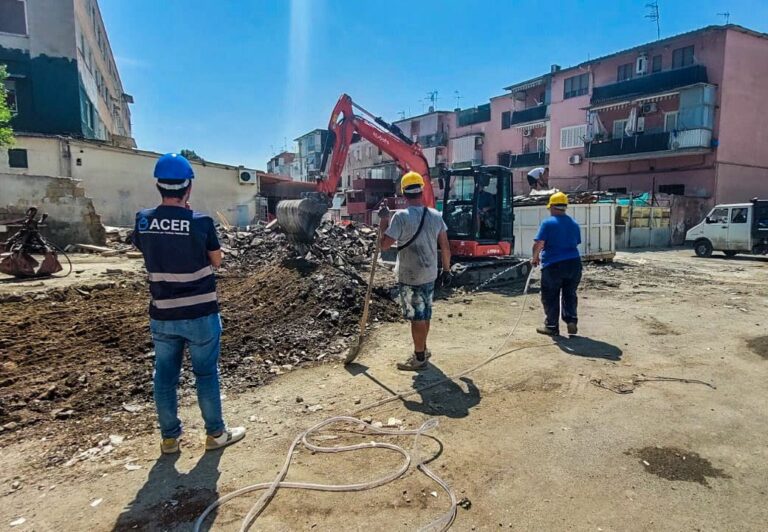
(477, 208)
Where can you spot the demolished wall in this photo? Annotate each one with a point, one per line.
(72, 216)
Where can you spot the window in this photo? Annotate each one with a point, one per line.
(670, 121)
(576, 86)
(17, 158)
(13, 18)
(572, 137)
(717, 216)
(506, 119)
(739, 215)
(682, 57)
(10, 96)
(619, 127)
(618, 190)
(541, 144)
(656, 63)
(624, 72)
(677, 190)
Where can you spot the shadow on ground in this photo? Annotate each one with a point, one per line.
(169, 498)
(445, 399)
(584, 346)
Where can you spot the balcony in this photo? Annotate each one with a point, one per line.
(652, 145)
(650, 84)
(433, 140)
(519, 160)
(529, 115)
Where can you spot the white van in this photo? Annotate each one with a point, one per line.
(734, 228)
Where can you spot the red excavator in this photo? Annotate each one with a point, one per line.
(477, 201)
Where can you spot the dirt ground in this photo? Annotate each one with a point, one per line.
(574, 434)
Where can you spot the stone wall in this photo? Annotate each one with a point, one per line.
(72, 217)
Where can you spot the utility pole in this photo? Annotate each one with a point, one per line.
(458, 99)
(654, 16)
(726, 15)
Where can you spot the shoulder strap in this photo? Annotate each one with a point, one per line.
(417, 233)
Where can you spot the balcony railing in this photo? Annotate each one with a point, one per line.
(517, 160)
(652, 83)
(433, 140)
(629, 145)
(529, 115)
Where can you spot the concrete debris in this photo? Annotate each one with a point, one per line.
(96, 502)
(315, 408)
(18, 522)
(132, 408)
(394, 422)
(132, 467)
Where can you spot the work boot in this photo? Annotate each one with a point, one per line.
(227, 437)
(573, 328)
(412, 363)
(548, 331)
(169, 445)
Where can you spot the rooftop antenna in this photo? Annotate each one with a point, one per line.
(432, 98)
(653, 14)
(726, 15)
(402, 115)
(458, 99)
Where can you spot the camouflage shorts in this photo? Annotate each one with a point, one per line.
(416, 301)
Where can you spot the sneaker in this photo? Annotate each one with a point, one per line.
(427, 354)
(169, 445)
(412, 364)
(228, 437)
(573, 328)
(548, 331)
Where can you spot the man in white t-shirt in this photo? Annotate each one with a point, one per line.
(538, 178)
(417, 231)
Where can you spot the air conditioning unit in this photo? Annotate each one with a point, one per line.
(641, 66)
(640, 127)
(246, 177)
(527, 132)
(649, 108)
(574, 159)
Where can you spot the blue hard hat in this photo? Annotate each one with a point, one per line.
(173, 167)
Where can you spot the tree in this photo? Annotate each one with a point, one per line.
(190, 155)
(6, 133)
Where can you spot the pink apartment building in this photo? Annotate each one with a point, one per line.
(683, 115)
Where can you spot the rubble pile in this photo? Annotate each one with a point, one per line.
(349, 248)
(541, 197)
(84, 353)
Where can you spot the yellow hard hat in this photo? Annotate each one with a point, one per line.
(412, 182)
(558, 199)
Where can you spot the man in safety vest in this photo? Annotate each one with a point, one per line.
(181, 250)
(555, 247)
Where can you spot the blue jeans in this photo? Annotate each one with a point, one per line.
(203, 336)
(559, 282)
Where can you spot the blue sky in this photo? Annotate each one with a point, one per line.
(238, 80)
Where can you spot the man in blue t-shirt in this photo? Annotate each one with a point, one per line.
(181, 249)
(556, 249)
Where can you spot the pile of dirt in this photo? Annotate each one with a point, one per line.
(85, 354)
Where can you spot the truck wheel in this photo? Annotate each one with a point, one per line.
(730, 253)
(703, 248)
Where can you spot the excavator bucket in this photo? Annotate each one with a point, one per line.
(18, 264)
(300, 218)
(50, 264)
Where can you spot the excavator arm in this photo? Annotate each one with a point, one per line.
(343, 127)
(300, 218)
